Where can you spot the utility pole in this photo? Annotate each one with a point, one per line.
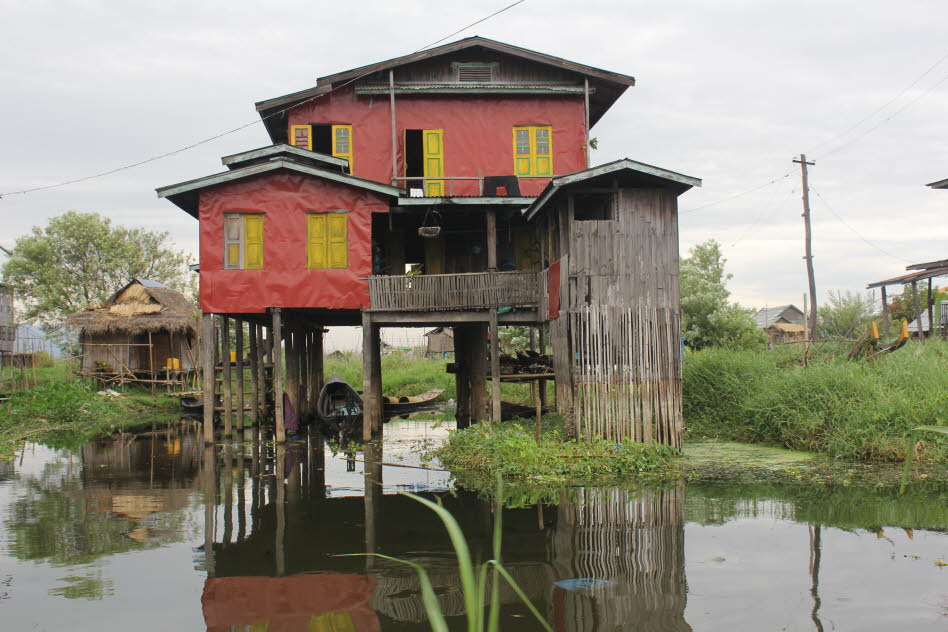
(809, 244)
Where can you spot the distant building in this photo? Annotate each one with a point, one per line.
(783, 323)
(440, 341)
(7, 329)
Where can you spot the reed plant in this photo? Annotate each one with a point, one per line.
(847, 409)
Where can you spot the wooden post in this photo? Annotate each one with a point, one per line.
(319, 378)
(291, 346)
(494, 368)
(462, 375)
(931, 310)
(371, 378)
(227, 386)
(478, 359)
(208, 341)
(586, 110)
(151, 363)
(254, 372)
(811, 278)
(918, 311)
(542, 384)
(276, 355)
(885, 313)
(262, 388)
(239, 333)
(492, 239)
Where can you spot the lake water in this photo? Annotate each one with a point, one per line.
(151, 530)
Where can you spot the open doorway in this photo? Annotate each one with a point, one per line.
(322, 138)
(414, 157)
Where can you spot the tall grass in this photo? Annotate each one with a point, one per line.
(843, 408)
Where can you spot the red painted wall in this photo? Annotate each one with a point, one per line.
(478, 131)
(284, 281)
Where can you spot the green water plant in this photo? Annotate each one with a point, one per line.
(481, 608)
(910, 449)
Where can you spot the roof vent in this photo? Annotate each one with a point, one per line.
(475, 73)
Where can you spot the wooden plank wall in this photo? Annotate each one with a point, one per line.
(452, 291)
(624, 320)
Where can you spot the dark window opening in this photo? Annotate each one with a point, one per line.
(322, 138)
(414, 157)
(593, 207)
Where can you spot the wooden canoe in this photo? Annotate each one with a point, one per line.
(395, 406)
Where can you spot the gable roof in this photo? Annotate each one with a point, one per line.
(626, 169)
(608, 86)
(282, 150)
(768, 316)
(185, 194)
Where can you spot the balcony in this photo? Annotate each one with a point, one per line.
(444, 292)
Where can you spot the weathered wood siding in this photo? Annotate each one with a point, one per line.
(622, 304)
(452, 291)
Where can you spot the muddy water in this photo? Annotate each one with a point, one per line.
(153, 531)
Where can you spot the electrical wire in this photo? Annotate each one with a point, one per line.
(734, 197)
(239, 127)
(850, 227)
(769, 209)
(882, 107)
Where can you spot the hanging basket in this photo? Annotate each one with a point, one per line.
(429, 231)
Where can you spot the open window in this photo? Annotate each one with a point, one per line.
(324, 138)
(243, 241)
(424, 158)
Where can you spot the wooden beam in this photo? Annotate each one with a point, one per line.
(491, 239)
(276, 355)
(208, 340)
(252, 330)
(239, 338)
(226, 383)
(885, 313)
(586, 112)
(391, 88)
(262, 354)
(918, 311)
(436, 318)
(494, 368)
(931, 310)
(371, 378)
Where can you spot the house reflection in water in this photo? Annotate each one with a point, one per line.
(609, 560)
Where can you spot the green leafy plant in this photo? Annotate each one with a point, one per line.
(910, 449)
(473, 578)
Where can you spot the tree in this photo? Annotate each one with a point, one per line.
(902, 306)
(708, 318)
(845, 314)
(80, 259)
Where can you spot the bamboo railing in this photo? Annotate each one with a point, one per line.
(473, 290)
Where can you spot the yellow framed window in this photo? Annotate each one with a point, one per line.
(243, 241)
(327, 240)
(301, 136)
(533, 150)
(342, 143)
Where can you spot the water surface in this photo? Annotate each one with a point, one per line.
(151, 530)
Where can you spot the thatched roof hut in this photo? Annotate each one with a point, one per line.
(139, 328)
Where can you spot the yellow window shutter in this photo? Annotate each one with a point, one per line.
(316, 241)
(522, 151)
(253, 242)
(342, 143)
(434, 161)
(543, 151)
(301, 136)
(338, 242)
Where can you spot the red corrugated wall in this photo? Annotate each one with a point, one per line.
(478, 131)
(284, 198)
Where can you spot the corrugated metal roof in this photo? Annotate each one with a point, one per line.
(147, 283)
(908, 278)
(771, 315)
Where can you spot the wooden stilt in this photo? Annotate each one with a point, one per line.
(885, 313)
(371, 378)
(252, 329)
(478, 371)
(262, 388)
(319, 378)
(208, 339)
(279, 551)
(541, 334)
(494, 368)
(918, 312)
(304, 373)
(239, 338)
(276, 354)
(226, 383)
(462, 376)
(291, 349)
(210, 485)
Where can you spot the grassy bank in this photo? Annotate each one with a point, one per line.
(66, 412)
(844, 409)
(476, 456)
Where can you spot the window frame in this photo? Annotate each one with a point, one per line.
(310, 263)
(532, 156)
(241, 241)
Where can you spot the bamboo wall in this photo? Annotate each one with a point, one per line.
(621, 335)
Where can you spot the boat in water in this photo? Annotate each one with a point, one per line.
(404, 405)
(339, 406)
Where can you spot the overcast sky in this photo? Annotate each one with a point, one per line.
(727, 91)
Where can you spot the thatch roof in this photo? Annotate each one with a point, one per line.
(139, 307)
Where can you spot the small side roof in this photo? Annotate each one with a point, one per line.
(281, 150)
(185, 194)
(629, 171)
(941, 184)
(929, 273)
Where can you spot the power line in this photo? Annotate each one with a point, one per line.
(850, 227)
(734, 197)
(769, 209)
(240, 127)
(882, 107)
